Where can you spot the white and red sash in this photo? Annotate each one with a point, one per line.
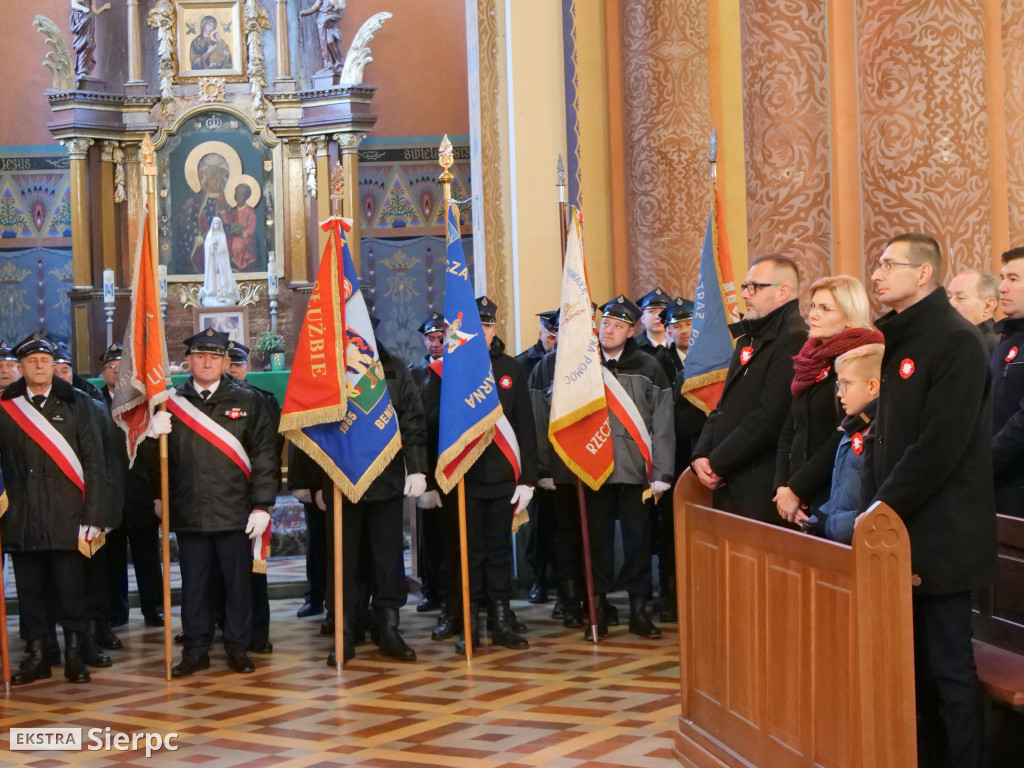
(29, 418)
(504, 435)
(210, 430)
(625, 410)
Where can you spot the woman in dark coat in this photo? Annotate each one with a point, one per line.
(839, 320)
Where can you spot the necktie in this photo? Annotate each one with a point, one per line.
(38, 401)
(205, 394)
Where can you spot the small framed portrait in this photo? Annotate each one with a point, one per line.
(211, 39)
(234, 321)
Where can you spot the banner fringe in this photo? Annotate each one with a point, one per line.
(353, 491)
(483, 428)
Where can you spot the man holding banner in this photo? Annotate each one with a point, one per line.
(223, 481)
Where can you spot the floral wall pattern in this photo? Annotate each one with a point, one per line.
(786, 127)
(668, 126)
(1013, 83)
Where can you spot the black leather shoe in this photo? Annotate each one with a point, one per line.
(390, 639)
(106, 639)
(445, 626)
(179, 638)
(35, 666)
(558, 609)
(156, 620)
(348, 653)
(602, 620)
(327, 625)
(506, 631)
(310, 609)
(265, 647)
(240, 663)
(639, 622)
(427, 604)
(539, 593)
(75, 670)
(611, 612)
(190, 664)
(91, 653)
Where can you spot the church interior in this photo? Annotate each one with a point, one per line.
(824, 127)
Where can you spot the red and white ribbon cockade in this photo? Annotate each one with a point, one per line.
(29, 418)
(622, 405)
(209, 430)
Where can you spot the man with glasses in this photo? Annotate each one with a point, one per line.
(933, 466)
(735, 455)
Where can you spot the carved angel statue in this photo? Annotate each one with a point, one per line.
(329, 14)
(117, 155)
(219, 286)
(83, 34)
(309, 168)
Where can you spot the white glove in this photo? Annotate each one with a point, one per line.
(159, 424)
(522, 496)
(258, 522)
(88, 532)
(415, 485)
(659, 487)
(546, 483)
(158, 509)
(320, 503)
(429, 500)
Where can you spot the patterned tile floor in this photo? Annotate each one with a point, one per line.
(564, 703)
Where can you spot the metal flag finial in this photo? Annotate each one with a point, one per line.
(446, 157)
(561, 171)
(337, 188)
(713, 153)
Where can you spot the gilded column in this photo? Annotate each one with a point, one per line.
(108, 235)
(284, 65)
(295, 202)
(134, 44)
(81, 250)
(348, 149)
(323, 187)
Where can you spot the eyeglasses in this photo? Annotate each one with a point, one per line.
(810, 308)
(885, 265)
(842, 385)
(752, 287)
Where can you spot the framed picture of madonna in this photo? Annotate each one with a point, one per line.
(211, 39)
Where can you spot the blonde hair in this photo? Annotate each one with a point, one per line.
(866, 360)
(850, 296)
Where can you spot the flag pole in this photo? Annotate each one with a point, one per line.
(588, 571)
(446, 158)
(149, 172)
(337, 194)
(5, 651)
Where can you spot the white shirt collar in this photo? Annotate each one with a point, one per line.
(212, 387)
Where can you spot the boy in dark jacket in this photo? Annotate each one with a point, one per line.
(858, 383)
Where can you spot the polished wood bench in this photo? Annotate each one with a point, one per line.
(999, 619)
(793, 650)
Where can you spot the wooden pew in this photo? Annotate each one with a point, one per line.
(999, 619)
(793, 650)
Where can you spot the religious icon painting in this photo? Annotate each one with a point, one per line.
(210, 39)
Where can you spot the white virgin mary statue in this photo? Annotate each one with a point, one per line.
(219, 286)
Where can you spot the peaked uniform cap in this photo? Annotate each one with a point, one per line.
(680, 309)
(656, 298)
(34, 343)
(549, 320)
(62, 355)
(488, 310)
(432, 324)
(114, 352)
(208, 341)
(6, 353)
(621, 308)
(238, 352)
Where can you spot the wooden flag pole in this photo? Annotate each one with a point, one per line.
(588, 570)
(339, 586)
(5, 651)
(337, 202)
(149, 171)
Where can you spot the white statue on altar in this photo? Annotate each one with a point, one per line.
(219, 286)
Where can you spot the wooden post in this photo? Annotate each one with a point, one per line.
(339, 586)
(467, 622)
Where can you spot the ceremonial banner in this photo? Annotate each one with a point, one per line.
(715, 308)
(469, 397)
(356, 447)
(317, 384)
(578, 429)
(142, 378)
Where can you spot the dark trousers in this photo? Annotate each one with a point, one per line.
(145, 546)
(97, 583)
(603, 506)
(435, 550)
(950, 707)
(665, 541)
(316, 554)
(260, 609)
(202, 557)
(488, 524)
(115, 577)
(44, 579)
(567, 534)
(541, 551)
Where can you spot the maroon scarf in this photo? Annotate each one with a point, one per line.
(818, 356)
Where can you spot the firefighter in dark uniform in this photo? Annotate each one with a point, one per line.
(432, 547)
(238, 367)
(539, 550)
(372, 527)
(492, 493)
(651, 305)
(622, 495)
(49, 514)
(218, 509)
(10, 370)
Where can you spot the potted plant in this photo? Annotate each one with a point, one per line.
(271, 344)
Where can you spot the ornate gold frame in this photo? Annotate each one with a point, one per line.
(191, 9)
